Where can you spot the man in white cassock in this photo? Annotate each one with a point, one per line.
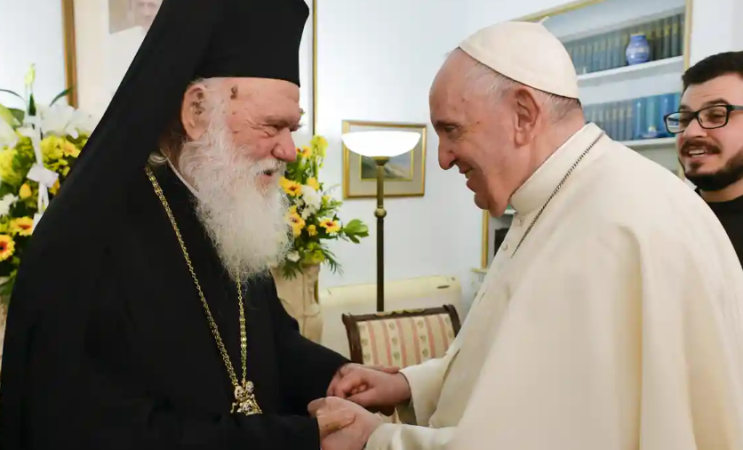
(612, 316)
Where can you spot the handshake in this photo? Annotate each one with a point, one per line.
(346, 417)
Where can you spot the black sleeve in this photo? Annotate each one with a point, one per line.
(306, 367)
(63, 397)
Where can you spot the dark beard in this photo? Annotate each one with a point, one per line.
(730, 173)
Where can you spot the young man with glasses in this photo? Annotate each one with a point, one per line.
(709, 126)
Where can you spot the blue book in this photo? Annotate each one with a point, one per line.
(620, 126)
(628, 120)
(651, 117)
(666, 107)
(638, 118)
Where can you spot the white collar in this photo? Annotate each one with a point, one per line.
(183, 180)
(537, 189)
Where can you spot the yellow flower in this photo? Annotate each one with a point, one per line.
(312, 182)
(312, 230)
(321, 144)
(296, 222)
(70, 149)
(306, 152)
(316, 257)
(330, 225)
(291, 187)
(25, 191)
(7, 247)
(52, 148)
(54, 189)
(23, 226)
(7, 173)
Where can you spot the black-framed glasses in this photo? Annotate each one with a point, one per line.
(711, 117)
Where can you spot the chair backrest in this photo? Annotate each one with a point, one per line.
(401, 338)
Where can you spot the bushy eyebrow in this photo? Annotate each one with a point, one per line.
(441, 124)
(717, 101)
(281, 122)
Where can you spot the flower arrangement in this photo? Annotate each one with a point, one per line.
(38, 145)
(313, 215)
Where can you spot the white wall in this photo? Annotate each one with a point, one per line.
(716, 27)
(377, 65)
(31, 33)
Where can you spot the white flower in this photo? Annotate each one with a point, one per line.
(312, 199)
(64, 120)
(8, 136)
(6, 202)
(293, 256)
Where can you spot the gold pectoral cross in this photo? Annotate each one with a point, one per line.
(245, 402)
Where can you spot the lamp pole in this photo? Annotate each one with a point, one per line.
(380, 146)
(380, 213)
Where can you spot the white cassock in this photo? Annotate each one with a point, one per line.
(617, 325)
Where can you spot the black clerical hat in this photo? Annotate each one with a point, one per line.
(188, 40)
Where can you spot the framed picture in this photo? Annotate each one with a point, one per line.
(103, 36)
(405, 175)
(493, 233)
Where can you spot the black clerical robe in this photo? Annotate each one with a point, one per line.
(116, 352)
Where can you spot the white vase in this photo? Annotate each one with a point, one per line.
(300, 301)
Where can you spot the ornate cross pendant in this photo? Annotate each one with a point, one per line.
(245, 401)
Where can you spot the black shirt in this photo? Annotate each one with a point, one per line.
(730, 214)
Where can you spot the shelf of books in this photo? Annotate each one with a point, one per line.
(623, 92)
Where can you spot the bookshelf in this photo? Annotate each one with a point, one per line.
(628, 101)
(642, 144)
(674, 65)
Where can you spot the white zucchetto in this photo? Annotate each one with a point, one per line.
(525, 52)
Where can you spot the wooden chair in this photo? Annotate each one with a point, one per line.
(401, 338)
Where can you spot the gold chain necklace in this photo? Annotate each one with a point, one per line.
(245, 401)
(557, 189)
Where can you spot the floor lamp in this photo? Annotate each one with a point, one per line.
(380, 146)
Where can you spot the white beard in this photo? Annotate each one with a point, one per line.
(246, 221)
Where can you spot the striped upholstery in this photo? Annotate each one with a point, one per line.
(401, 338)
(405, 341)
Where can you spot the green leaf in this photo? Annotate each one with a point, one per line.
(60, 95)
(19, 114)
(31, 106)
(356, 227)
(13, 93)
(7, 116)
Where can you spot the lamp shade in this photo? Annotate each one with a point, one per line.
(386, 144)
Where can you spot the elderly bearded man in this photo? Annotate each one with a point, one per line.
(143, 316)
(611, 318)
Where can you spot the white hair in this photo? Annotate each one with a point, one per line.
(488, 82)
(245, 219)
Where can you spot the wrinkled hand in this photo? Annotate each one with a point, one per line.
(377, 389)
(335, 413)
(331, 421)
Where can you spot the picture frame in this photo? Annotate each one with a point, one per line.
(407, 172)
(88, 29)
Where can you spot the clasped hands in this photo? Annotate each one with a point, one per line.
(346, 416)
